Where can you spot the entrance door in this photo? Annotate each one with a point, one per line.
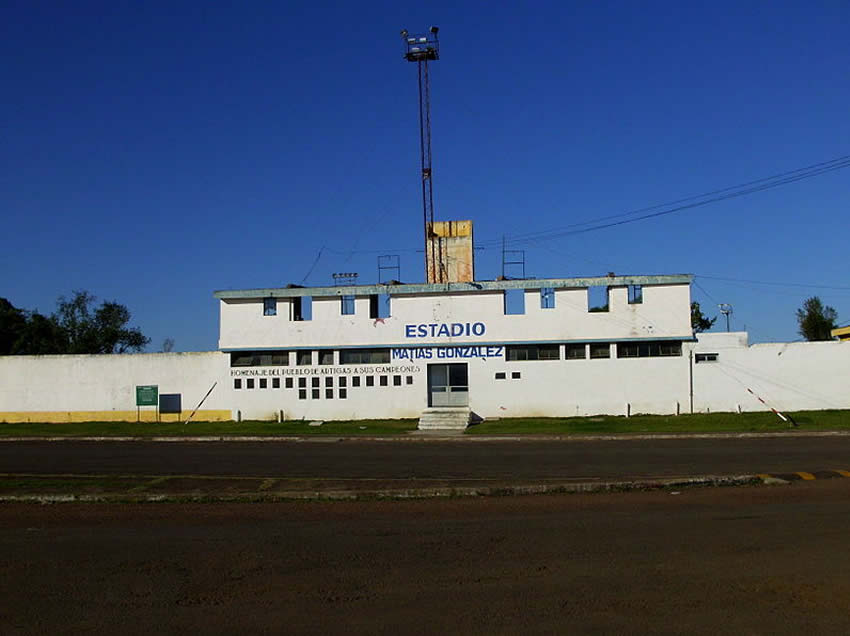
(448, 385)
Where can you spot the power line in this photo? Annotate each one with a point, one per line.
(775, 284)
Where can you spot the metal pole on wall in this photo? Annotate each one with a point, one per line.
(691, 377)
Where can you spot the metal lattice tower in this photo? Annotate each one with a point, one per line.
(423, 49)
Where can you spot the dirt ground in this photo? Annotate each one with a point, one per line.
(751, 560)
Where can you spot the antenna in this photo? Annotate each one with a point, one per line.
(422, 49)
(389, 263)
(725, 309)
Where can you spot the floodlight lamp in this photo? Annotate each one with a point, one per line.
(434, 30)
(404, 33)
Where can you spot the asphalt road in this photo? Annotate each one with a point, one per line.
(498, 460)
(750, 560)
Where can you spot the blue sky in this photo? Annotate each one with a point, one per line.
(155, 152)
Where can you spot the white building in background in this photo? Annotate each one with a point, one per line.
(398, 350)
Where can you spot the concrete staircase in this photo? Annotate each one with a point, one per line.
(444, 418)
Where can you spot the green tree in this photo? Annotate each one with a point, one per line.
(699, 322)
(816, 320)
(102, 329)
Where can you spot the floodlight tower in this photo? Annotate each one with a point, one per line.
(423, 49)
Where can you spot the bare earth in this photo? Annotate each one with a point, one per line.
(750, 560)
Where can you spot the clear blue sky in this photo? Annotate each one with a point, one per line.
(155, 152)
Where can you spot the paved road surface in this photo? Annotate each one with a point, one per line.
(750, 560)
(503, 461)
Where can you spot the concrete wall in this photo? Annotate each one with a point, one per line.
(102, 387)
(788, 376)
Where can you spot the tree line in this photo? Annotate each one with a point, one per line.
(79, 325)
(815, 320)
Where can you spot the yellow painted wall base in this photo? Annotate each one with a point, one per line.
(145, 415)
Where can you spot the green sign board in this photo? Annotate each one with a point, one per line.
(147, 395)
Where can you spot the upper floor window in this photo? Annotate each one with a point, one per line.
(347, 305)
(597, 299)
(652, 349)
(302, 308)
(270, 306)
(635, 294)
(547, 298)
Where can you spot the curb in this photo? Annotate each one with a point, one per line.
(413, 438)
(406, 493)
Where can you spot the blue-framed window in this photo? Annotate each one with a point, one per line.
(547, 298)
(635, 294)
(347, 305)
(270, 306)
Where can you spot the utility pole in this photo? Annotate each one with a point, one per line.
(422, 49)
(725, 309)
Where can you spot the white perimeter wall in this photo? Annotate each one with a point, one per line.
(108, 382)
(788, 376)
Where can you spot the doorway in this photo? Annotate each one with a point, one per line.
(448, 385)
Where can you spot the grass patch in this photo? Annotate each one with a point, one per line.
(697, 423)
(213, 429)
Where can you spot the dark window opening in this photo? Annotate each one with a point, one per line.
(275, 383)
(329, 394)
(370, 380)
(302, 394)
(302, 383)
(599, 350)
(314, 382)
(364, 356)
(270, 306)
(302, 308)
(705, 357)
(500, 375)
(249, 383)
(575, 352)
(303, 358)
(355, 381)
(315, 393)
(259, 359)
(515, 353)
(287, 383)
(651, 349)
(326, 356)
(343, 381)
(515, 375)
(379, 306)
(264, 383)
(343, 393)
(635, 294)
(396, 380)
(383, 380)
(409, 379)
(237, 383)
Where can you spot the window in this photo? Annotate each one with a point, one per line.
(249, 383)
(364, 356)
(599, 350)
(326, 356)
(287, 383)
(315, 393)
(347, 305)
(379, 306)
(396, 380)
(514, 302)
(370, 380)
(275, 383)
(329, 394)
(383, 380)
(329, 381)
(301, 308)
(635, 294)
(597, 299)
(515, 375)
(409, 379)
(237, 383)
(705, 357)
(303, 358)
(651, 349)
(343, 393)
(264, 383)
(575, 352)
(547, 298)
(302, 394)
(343, 381)
(259, 359)
(532, 352)
(355, 381)
(270, 306)
(500, 375)
(315, 382)
(302, 383)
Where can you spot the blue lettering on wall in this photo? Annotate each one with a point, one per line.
(447, 353)
(444, 329)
